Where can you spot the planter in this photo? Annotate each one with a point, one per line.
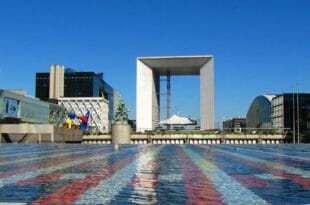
(120, 133)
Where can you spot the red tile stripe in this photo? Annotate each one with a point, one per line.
(74, 190)
(199, 188)
(45, 165)
(251, 181)
(44, 178)
(292, 177)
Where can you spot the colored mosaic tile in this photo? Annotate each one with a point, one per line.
(154, 174)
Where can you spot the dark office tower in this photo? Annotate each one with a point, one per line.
(82, 84)
(292, 111)
(42, 86)
(75, 84)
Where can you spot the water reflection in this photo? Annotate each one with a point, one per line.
(155, 174)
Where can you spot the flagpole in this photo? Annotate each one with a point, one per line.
(293, 116)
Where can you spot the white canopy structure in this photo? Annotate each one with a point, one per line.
(177, 120)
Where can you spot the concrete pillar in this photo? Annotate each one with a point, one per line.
(147, 98)
(56, 86)
(207, 96)
(120, 134)
(52, 137)
(52, 82)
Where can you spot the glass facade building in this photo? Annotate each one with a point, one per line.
(259, 113)
(80, 84)
(292, 111)
(42, 86)
(287, 111)
(234, 124)
(21, 108)
(76, 84)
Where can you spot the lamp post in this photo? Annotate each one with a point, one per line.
(297, 109)
(293, 117)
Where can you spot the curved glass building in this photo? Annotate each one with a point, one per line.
(259, 113)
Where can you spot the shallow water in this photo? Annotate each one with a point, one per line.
(155, 174)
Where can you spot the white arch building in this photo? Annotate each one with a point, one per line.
(149, 69)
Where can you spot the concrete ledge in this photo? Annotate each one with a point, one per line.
(192, 138)
(97, 137)
(37, 133)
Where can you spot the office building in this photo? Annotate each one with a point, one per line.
(283, 112)
(259, 113)
(67, 83)
(292, 111)
(16, 107)
(97, 106)
(234, 124)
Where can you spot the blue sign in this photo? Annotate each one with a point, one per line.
(11, 107)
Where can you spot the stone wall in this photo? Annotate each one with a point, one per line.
(191, 139)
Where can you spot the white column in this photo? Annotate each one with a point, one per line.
(144, 106)
(52, 82)
(207, 96)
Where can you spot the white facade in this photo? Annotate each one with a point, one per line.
(97, 106)
(277, 112)
(149, 69)
(57, 79)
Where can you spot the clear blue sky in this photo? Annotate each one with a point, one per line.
(260, 46)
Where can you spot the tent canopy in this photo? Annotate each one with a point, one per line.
(177, 120)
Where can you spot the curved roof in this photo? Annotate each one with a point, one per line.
(268, 97)
(259, 113)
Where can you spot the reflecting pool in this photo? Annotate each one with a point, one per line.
(155, 174)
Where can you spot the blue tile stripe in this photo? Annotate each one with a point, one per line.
(232, 191)
(108, 188)
(32, 174)
(279, 166)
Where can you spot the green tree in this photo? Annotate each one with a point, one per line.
(121, 114)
